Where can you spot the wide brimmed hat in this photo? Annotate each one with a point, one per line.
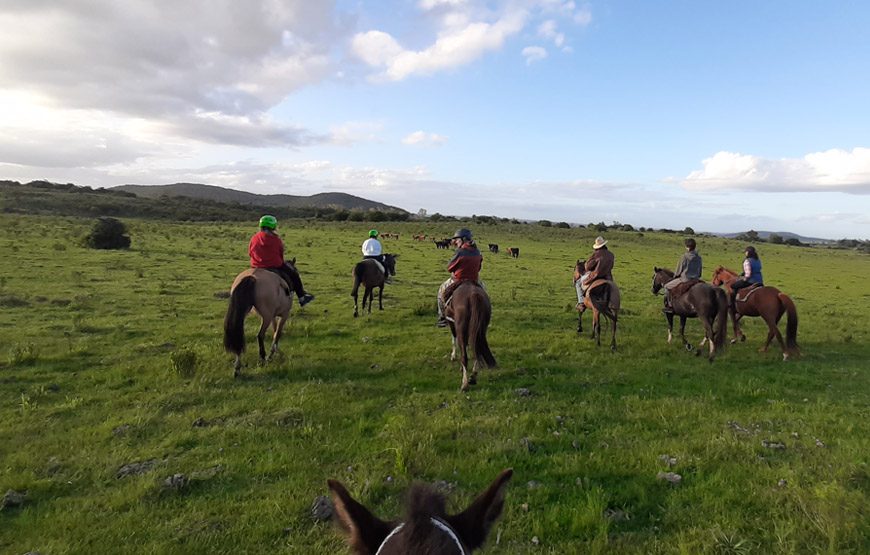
(599, 242)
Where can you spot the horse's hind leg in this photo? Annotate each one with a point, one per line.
(261, 339)
(237, 367)
(596, 326)
(356, 305)
(381, 297)
(453, 352)
(279, 331)
(613, 336)
(686, 343)
(579, 322)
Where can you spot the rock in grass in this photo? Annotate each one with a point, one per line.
(670, 477)
(176, 482)
(775, 445)
(12, 499)
(668, 460)
(135, 468)
(523, 392)
(121, 430)
(322, 508)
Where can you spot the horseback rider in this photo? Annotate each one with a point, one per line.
(371, 249)
(688, 269)
(751, 274)
(598, 266)
(267, 251)
(464, 266)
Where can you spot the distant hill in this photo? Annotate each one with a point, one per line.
(784, 234)
(222, 194)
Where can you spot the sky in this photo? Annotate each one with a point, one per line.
(720, 116)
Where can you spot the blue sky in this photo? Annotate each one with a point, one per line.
(720, 116)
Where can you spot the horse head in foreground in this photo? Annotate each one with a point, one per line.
(703, 301)
(469, 312)
(268, 294)
(427, 528)
(602, 297)
(766, 302)
(372, 273)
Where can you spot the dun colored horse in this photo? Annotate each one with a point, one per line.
(768, 303)
(703, 301)
(603, 298)
(469, 312)
(268, 294)
(372, 274)
(427, 528)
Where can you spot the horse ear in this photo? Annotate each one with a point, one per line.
(656, 269)
(293, 261)
(365, 532)
(473, 524)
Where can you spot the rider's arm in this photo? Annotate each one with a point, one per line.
(747, 268)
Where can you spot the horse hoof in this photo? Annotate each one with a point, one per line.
(742, 338)
(613, 348)
(237, 373)
(689, 347)
(472, 380)
(733, 341)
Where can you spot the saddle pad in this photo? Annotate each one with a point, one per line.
(380, 266)
(743, 294)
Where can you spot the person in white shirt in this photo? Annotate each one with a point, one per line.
(371, 247)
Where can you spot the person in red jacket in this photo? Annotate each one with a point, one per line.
(267, 251)
(464, 266)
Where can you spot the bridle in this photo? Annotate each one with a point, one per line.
(438, 523)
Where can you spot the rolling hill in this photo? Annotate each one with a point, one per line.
(222, 194)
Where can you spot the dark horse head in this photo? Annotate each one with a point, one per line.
(660, 277)
(427, 528)
(390, 263)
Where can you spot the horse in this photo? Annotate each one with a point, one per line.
(372, 274)
(468, 313)
(514, 252)
(703, 301)
(268, 294)
(768, 303)
(427, 528)
(602, 297)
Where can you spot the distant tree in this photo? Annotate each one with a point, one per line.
(356, 216)
(545, 223)
(688, 231)
(750, 236)
(627, 227)
(600, 226)
(436, 217)
(108, 233)
(793, 241)
(775, 238)
(563, 225)
(376, 216)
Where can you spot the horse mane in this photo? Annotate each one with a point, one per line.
(425, 503)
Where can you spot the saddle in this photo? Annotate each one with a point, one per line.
(744, 293)
(682, 288)
(284, 284)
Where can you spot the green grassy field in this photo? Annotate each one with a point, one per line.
(89, 341)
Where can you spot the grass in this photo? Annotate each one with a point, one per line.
(115, 357)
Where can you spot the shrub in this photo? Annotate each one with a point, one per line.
(22, 354)
(108, 233)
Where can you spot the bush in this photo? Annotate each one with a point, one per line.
(108, 233)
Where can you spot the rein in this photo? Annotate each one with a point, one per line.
(438, 523)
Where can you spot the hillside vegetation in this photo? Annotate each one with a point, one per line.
(113, 381)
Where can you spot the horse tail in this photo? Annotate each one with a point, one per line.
(792, 325)
(481, 312)
(357, 278)
(721, 304)
(241, 301)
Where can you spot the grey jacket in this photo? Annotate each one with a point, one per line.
(689, 267)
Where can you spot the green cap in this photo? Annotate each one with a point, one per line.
(373, 233)
(268, 222)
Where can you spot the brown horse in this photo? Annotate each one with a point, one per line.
(268, 294)
(603, 298)
(768, 303)
(708, 304)
(427, 527)
(468, 313)
(372, 274)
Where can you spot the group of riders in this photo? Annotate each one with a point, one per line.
(267, 251)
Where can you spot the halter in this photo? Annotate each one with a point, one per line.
(438, 524)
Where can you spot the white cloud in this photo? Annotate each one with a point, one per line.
(421, 138)
(353, 132)
(432, 4)
(534, 54)
(548, 30)
(831, 170)
(171, 61)
(454, 46)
